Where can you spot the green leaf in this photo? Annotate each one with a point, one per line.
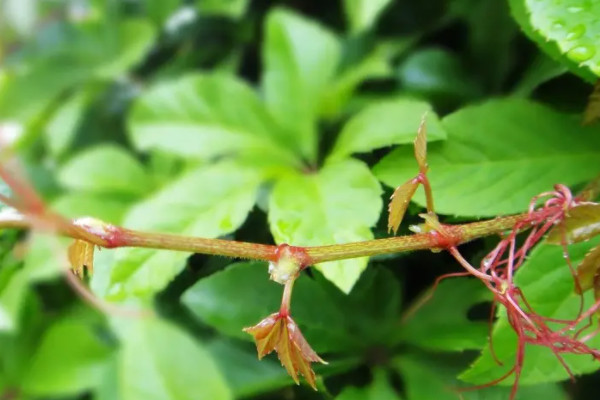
(571, 25)
(374, 305)
(159, 11)
(192, 117)
(384, 124)
(432, 378)
(374, 65)
(109, 208)
(70, 359)
(541, 70)
(441, 323)
(300, 58)
(230, 8)
(12, 298)
(499, 155)
(104, 50)
(490, 41)
(208, 202)
(548, 285)
(6, 321)
(247, 375)
(437, 74)
(380, 388)
(362, 14)
(336, 205)
(114, 50)
(62, 127)
(522, 16)
(158, 361)
(43, 262)
(105, 169)
(26, 92)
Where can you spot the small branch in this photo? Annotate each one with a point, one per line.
(110, 236)
(219, 247)
(286, 299)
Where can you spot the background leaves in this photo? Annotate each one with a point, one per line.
(495, 158)
(336, 205)
(272, 122)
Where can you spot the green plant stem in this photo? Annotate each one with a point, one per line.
(220, 247)
(121, 237)
(286, 299)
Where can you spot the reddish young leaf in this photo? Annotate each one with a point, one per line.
(589, 269)
(399, 203)
(581, 223)
(81, 256)
(280, 333)
(421, 145)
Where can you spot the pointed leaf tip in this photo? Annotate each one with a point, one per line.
(399, 203)
(421, 144)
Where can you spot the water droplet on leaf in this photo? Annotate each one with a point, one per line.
(581, 53)
(576, 32)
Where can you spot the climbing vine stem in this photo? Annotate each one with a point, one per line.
(111, 236)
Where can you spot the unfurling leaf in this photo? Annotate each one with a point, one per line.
(399, 203)
(592, 110)
(421, 144)
(589, 270)
(582, 223)
(81, 256)
(280, 333)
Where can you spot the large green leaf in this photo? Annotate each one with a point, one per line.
(246, 375)
(499, 155)
(193, 117)
(437, 74)
(572, 25)
(159, 11)
(113, 50)
(317, 306)
(71, 358)
(380, 388)
(105, 169)
(338, 204)
(158, 361)
(432, 378)
(95, 49)
(441, 323)
(27, 92)
(62, 126)
(362, 14)
(541, 70)
(209, 201)
(547, 283)
(43, 262)
(521, 15)
(384, 124)
(300, 58)
(372, 66)
(104, 206)
(231, 8)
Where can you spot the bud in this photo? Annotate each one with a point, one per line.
(81, 256)
(286, 267)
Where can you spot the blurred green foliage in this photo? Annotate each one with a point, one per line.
(272, 121)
